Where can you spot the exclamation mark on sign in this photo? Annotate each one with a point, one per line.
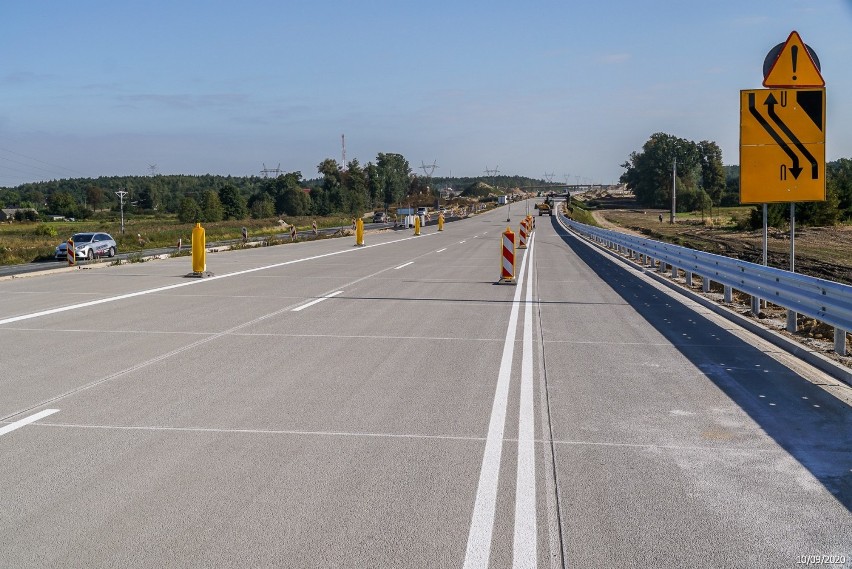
(794, 52)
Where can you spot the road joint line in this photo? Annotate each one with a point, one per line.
(26, 421)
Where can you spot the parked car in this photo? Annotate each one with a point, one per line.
(422, 210)
(89, 246)
(380, 217)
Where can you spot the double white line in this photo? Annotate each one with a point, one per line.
(524, 553)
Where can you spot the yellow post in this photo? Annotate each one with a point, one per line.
(440, 222)
(359, 232)
(417, 225)
(199, 253)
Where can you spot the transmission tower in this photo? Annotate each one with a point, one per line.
(343, 147)
(428, 169)
(548, 177)
(492, 174)
(266, 171)
(153, 169)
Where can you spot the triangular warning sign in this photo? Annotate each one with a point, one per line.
(794, 67)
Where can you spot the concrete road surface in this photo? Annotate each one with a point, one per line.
(325, 405)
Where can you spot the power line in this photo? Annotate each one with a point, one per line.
(39, 161)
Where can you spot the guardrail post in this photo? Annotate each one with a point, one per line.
(662, 266)
(755, 305)
(689, 278)
(792, 320)
(840, 341)
(705, 284)
(729, 294)
(674, 272)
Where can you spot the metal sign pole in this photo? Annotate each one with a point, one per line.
(792, 237)
(765, 232)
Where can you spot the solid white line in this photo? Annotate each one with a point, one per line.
(525, 541)
(320, 299)
(482, 522)
(404, 265)
(441, 250)
(190, 283)
(26, 421)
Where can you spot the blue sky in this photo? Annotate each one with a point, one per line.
(91, 88)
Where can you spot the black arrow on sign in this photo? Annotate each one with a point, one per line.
(752, 107)
(771, 101)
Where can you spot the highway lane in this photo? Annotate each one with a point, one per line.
(255, 419)
(221, 427)
(678, 443)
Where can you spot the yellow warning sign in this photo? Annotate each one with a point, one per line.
(794, 67)
(782, 145)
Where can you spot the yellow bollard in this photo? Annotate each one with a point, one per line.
(440, 222)
(359, 233)
(199, 253)
(417, 225)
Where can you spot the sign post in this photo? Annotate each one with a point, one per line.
(782, 137)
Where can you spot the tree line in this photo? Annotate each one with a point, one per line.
(702, 182)
(349, 189)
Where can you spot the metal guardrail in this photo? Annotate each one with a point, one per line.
(827, 301)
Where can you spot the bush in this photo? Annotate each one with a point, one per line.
(45, 230)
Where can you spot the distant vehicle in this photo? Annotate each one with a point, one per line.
(89, 246)
(380, 217)
(422, 210)
(544, 208)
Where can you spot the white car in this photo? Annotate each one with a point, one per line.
(88, 246)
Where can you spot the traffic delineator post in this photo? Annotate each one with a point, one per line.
(199, 253)
(417, 225)
(440, 222)
(314, 226)
(292, 233)
(522, 234)
(507, 257)
(359, 233)
(70, 254)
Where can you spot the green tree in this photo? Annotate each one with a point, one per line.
(189, 211)
(95, 197)
(332, 184)
(262, 206)
(820, 214)
(148, 196)
(355, 184)
(280, 189)
(712, 171)
(233, 203)
(62, 203)
(211, 207)
(374, 185)
(10, 198)
(295, 202)
(649, 173)
(839, 177)
(394, 173)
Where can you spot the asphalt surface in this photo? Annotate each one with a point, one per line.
(325, 405)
